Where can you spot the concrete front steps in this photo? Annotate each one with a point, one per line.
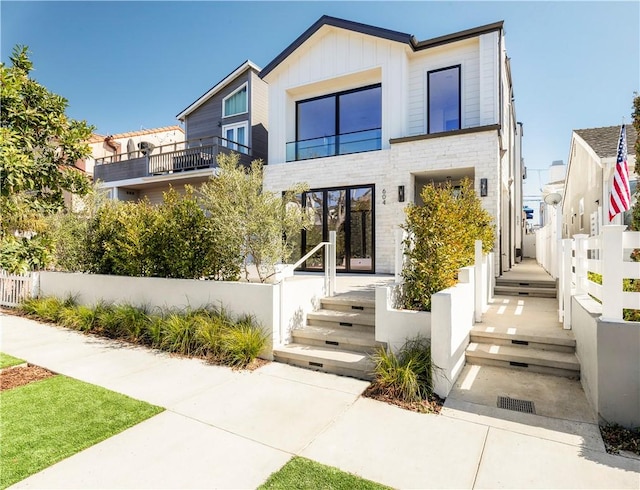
(539, 288)
(544, 350)
(338, 338)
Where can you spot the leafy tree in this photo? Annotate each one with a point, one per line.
(253, 221)
(441, 239)
(40, 146)
(183, 244)
(635, 218)
(119, 238)
(69, 232)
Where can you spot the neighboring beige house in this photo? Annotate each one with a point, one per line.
(105, 147)
(592, 159)
(368, 116)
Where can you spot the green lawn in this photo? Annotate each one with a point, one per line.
(301, 474)
(6, 360)
(46, 421)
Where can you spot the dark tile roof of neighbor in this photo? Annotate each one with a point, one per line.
(604, 141)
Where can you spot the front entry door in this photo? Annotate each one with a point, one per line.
(349, 212)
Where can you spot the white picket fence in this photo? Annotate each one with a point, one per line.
(15, 288)
(606, 255)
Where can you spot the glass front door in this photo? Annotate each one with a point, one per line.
(349, 212)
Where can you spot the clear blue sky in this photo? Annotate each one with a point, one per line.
(127, 65)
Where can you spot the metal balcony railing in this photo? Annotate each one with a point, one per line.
(177, 157)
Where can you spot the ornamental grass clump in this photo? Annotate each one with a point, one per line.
(47, 309)
(207, 332)
(406, 376)
(242, 342)
(79, 317)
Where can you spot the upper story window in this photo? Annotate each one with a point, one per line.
(235, 103)
(338, 124)
(443, 98)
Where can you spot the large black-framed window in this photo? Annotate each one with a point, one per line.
(349, 211)
(338, 124)
(444, 99)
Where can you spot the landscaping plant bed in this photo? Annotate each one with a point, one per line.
(15, 376)
(617, 438)
(431, 405)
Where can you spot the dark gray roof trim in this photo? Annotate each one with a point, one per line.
(247, 62)
(400, 37)
(458, 36)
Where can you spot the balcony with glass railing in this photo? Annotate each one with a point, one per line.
(339, 144)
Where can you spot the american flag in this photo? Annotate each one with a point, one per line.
(620, 194)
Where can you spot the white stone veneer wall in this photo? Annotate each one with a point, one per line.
(388, 169)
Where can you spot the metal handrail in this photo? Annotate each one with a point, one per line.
(313, 250)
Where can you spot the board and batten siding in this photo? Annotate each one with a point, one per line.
(333, 60)
(464, 53)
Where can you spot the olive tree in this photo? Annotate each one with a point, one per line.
(253, 220)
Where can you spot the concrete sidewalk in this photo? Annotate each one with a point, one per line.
(227, 429)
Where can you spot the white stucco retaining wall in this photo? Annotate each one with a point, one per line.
(452, 317)
(609, 354)
(395, 326)
(263, 301)
(300, 295)
(448, 325)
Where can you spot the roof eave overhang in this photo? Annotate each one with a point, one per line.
(219, 86)
(378, 32)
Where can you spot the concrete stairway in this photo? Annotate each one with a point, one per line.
(545, 351)
(337, 338)
(520, 330)
(513, 286)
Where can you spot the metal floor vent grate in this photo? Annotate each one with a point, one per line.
(516, 405)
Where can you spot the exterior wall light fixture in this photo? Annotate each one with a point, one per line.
(483, 188)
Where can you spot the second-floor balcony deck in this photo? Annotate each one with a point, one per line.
(339, 144)
(183, 156)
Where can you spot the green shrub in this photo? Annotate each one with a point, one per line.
(179, 334)
(107, 321)
(407, 376)
(119, 238)
(154, 331)
(29, 306)
(181, 241)
(242, 343)
(132, 321)
(441, 239)
(203, 332)
(50, 308)
(209, 331)
(80, 317)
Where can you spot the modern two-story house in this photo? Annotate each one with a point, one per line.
(368, 116)
(230, 116)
